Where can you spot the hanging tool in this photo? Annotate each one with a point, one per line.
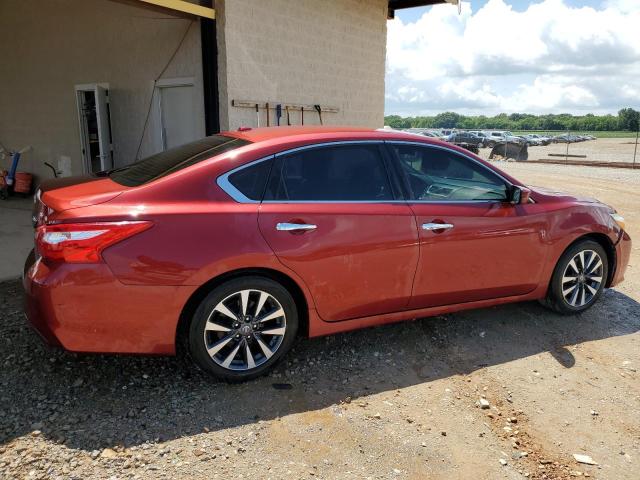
(267, 107)
(302, 115)
(288, 116)
(319, 110)
(257, 115)
(278, 113)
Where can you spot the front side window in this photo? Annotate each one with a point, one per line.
(443, 175)
(335, 173)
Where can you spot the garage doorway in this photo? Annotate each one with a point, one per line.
(92, 102)
(176, 105)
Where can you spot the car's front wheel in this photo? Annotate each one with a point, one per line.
(243, 328)
(578, 279)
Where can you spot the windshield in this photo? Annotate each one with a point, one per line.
(175, 159)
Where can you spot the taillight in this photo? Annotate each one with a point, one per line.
(83, 242)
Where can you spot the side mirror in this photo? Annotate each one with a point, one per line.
(520, 195)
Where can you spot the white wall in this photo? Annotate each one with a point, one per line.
(329, 52)
(47, 47)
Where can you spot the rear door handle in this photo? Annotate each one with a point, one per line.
(436, 226)
(293, 227)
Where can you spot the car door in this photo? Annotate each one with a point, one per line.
(474, 244)
(332, 215)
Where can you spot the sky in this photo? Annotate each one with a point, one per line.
(526, 56)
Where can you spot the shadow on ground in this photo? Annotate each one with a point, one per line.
(92, 402)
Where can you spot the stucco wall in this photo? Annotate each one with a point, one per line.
(329, 52)
(49, 46)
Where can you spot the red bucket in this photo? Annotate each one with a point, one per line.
(23, 182)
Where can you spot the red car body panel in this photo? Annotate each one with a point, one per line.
(367, 263)
(451, 269)
(372, 246)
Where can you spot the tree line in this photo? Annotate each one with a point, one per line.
(627, 119)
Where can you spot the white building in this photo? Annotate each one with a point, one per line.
(95, 84)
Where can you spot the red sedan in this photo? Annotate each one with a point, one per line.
(234, 244)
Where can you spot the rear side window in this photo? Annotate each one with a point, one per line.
(251, 181)
(173, 160)
(340, 173)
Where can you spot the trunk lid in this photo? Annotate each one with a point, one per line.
(60, 194)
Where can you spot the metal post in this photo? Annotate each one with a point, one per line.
(635, 149)
(566, 158)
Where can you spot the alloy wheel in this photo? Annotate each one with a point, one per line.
(582, 278)
(245, 330)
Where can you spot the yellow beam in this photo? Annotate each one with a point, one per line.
(186, 7)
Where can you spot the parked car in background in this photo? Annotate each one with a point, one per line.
(566, 138)
(466, 138)
(535, 139)
(234, 244)
(530, 141)
(494, 137)
(429, 134)
(483, 135)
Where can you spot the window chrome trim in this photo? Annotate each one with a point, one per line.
(455, 152)
(224, 183)
(328, 144)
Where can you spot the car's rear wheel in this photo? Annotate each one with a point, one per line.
(243, 328)
(578, 279)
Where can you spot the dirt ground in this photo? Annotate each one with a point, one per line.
(599, 150)
(399, 401)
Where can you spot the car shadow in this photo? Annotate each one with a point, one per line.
(91, 402)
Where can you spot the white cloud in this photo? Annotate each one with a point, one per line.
(549, 58)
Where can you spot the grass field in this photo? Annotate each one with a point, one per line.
(597, 134)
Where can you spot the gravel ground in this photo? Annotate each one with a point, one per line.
(399, 401)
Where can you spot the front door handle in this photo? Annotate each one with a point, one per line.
(436, 226)
(293, 227)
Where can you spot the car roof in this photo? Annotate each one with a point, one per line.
(292, 133)
(261, 134)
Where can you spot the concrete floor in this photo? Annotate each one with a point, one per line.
(16, 235)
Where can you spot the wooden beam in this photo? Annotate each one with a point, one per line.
(563, 155)
(184, 7)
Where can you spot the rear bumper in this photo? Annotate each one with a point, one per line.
(84, 308)
(623, 252)
(36, 310)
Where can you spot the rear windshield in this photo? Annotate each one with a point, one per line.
(170, 161)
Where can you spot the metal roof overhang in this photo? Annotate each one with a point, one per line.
(400, 4)
(208, 12)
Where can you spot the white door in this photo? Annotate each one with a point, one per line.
(104, 128)
(95, 127)
(177, 115)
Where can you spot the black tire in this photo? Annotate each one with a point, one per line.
(197, 337)
(555, 298)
